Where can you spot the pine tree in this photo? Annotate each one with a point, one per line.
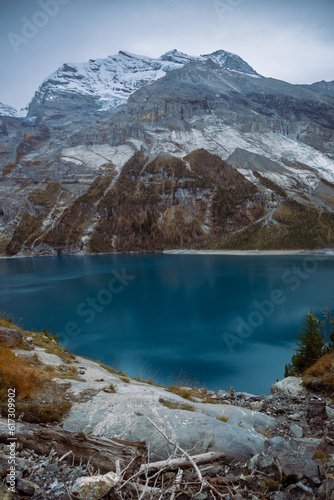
(328, 330)
(310, 346)
(289, 371)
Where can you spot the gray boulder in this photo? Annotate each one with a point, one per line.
(316, 409)
(296, 459)
(290, 387)
(296, 430)
(94, 487)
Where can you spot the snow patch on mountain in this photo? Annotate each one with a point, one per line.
(223, 140)
(99, 155)
(7, 110)
(280, 146)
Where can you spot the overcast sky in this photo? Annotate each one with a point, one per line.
(292, 40)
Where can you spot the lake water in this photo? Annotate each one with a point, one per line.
(215, 320)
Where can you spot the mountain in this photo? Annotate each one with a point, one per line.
(107, 83)
(134, 153)
(326, 88)
(7, 110)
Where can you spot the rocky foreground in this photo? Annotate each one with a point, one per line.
(279, 446)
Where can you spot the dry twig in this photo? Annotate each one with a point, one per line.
(198, 472)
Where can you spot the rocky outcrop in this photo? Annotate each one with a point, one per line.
(290, 387)
(126, 416)
(291, 461)
(10, 337)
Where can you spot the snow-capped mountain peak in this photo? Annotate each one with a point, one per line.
(177, 57)
(109, 82)
(231, 62)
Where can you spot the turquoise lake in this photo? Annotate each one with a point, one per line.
(212, 320)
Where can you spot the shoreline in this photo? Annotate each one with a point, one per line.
(321, 251)
(328, 252)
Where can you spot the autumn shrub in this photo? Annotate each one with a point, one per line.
(16, 374)
(320, 376)
(36, 413)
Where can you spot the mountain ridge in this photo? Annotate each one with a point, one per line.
(108, 78)
(225, 59)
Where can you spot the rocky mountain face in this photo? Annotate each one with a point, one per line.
(134, 153)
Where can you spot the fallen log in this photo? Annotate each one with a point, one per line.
(182, 463)
(102, 453)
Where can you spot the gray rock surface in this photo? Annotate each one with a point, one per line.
(296, 431)
(124, 416)
(296, 459)
(243, 417)
(316, 409)
(196, 432)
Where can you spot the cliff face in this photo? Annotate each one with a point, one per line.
(107, 171)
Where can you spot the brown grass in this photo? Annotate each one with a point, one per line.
(37, 413)
(223, 419)
(109, 369)
(322, 453)
(184, 393)
(269, 485)
(16, 374)
(320, 376)
(8, 323)
(38, 399)
(175, 406)
(138, 379)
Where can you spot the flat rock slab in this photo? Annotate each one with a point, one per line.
(44, 357)
(235, 415)
(125, 416)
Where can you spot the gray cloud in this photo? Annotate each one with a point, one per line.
(293, 41)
